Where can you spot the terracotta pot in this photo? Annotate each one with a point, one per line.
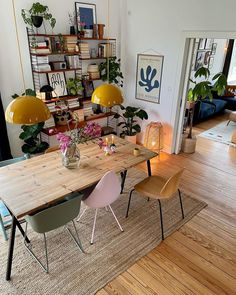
(131, 138)
(100, 31)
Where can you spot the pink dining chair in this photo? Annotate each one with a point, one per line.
(104, 194)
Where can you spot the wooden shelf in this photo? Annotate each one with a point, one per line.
(62, 98)
(67, 35)
(63, 128)
(92, 58)
(56, 53)
(55, 71)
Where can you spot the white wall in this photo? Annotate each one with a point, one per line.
(159, 26)
(10, 77)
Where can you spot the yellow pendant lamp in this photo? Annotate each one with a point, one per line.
(107, 95)
(27, 109)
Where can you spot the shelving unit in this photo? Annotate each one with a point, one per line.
(47, 49)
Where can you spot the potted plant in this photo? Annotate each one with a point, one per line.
(74, 86)
(36, 14)
(129, 125)
(200, 91)
(30, 135)
(115, 74)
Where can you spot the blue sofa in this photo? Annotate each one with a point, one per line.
(206, 108)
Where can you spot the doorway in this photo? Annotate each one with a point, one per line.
(196, 53)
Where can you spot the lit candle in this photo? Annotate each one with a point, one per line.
(112, 139)
(106, 140)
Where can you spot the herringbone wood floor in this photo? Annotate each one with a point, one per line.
(200, 258)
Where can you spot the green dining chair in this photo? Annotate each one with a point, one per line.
(52, 218)
(4, 213)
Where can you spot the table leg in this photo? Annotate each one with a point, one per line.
(22, 231)
(149, 171)
(11, 248)
(149, 168)
(123, 177)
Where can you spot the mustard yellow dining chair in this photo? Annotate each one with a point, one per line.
(159, 188)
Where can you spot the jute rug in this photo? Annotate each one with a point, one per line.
(72, 272)
(221, 133)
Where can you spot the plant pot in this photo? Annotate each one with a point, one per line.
(100, 31)
(62, 119)
(189, 144)
(37, 20)
(131, 139)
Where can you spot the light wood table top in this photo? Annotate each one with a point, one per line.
(35, 183)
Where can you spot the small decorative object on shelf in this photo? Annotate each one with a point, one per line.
(68, 143)
(100, 30)
(72, 21)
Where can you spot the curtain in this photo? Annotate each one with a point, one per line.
(5, 151)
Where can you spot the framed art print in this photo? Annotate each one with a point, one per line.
(213, 48)
(86, 15)
(148, 77)
(200, 58)
(202, 43)
(58, 83)
(88, 88)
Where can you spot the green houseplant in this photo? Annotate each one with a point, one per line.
(200, 91)
(30, 134)
(74, 86)
(36, 14)
(115, 75)
(128, 123)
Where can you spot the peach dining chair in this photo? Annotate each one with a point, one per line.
(104, 194)
(157, 187)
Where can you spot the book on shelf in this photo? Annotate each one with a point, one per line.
(106, 49)
(41, 67)
(40, 59)
(40, 50)
(72, 61)
(79, 114)
(49, 123)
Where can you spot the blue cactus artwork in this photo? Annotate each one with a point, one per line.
(148, 79)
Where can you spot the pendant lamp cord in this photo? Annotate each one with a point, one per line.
(108, 41)
(18, 43)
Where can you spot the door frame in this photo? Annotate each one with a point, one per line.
(187, 36)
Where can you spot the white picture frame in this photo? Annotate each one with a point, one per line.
(86, 13)
(58, 82)
(148, 77)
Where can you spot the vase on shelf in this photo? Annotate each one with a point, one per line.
(72, 30)
(71, 156)
(100, 29)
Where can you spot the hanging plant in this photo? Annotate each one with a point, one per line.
(36, 14)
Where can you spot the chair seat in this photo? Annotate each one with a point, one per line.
(151, 187)
(3, 210)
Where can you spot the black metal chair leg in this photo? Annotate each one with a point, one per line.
(149, 168)
(162, 230)
(11, 248)
(130, 195)
(181, 204)
(123, 177)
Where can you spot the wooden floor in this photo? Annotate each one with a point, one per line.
(200, 258)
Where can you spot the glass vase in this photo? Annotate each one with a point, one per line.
(71, 157)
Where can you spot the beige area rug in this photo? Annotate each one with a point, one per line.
(113, 252)
(221, 133)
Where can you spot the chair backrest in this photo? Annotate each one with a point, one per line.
(172, 185)
(52, 149)
(106, 191)
(55, 216)
(14, 160)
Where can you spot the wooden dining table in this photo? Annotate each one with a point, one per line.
(41, 181)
